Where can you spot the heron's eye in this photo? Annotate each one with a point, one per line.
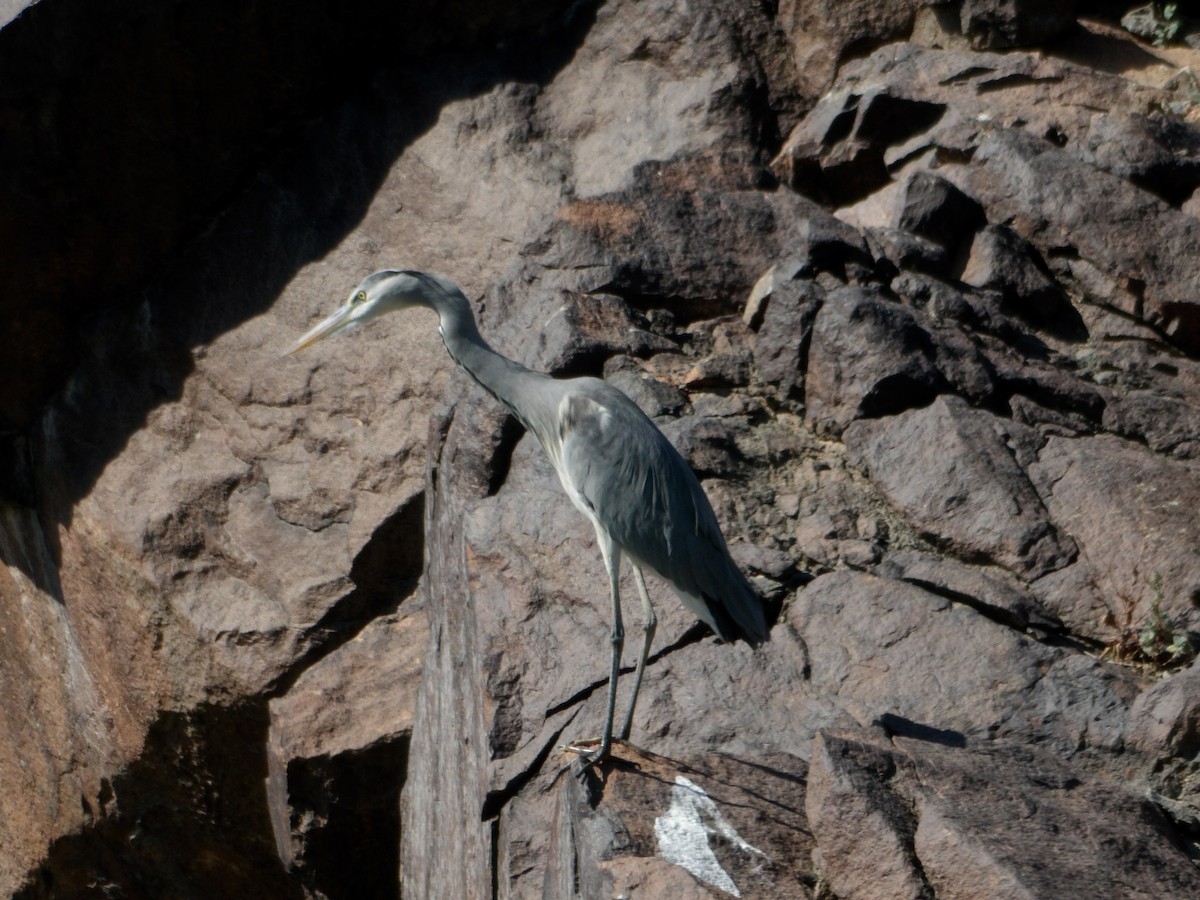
(360, 297)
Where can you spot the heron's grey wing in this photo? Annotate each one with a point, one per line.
(640, 489)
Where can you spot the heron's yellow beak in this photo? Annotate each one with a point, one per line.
(324, 328)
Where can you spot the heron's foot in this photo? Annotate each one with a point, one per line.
(590, 752)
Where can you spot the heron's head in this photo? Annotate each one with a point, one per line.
(378, 293)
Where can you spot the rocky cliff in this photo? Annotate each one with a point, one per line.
(915, 289)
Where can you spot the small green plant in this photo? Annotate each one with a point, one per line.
(1160, 641)
(1159, 23)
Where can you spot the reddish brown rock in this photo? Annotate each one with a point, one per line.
(867, 357)
(880, 649)
(337, 753)
(849, 806)
(949, 493)
(1165, 720)
(935, 209)
(1155, 152)
(980, 501)
(822, 32)
(1017, 162)
(993, 592)
(926, 815)
(1168, 424)
(1132, 514)
(1000, 260)
(998, 24)
(688, 828)
(788, 309)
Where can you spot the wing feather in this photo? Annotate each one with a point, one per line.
(642, 492)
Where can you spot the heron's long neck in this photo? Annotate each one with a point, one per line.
(499, 376)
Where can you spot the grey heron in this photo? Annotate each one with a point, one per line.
(616, 466)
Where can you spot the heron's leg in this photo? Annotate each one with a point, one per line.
(612, 561)
(650, 624)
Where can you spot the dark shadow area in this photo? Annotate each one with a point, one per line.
(1105, 53)
(16, 469)
(385, 574)
(772, 771)
(511, 432)
(132, 126)
(497, 799)
(30, 551)
(352, 850)
(1015, 80)
(898, 393)
(177, 165)
(389, 564)
(188, 820)
(773, 600)
(843, 181)
(761, 772)
(887, 120)
(1046, 624)
(256, 143)
(898, 726)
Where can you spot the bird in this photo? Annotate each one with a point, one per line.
(615, 465)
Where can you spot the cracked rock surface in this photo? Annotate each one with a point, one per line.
(915, 290)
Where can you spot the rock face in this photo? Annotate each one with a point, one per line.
(963, 812)
(922, 316)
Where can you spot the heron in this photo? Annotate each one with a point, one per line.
(615, 465)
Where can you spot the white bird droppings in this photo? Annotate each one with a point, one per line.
(682, 835)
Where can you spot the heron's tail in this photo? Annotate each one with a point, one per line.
(736, 613)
